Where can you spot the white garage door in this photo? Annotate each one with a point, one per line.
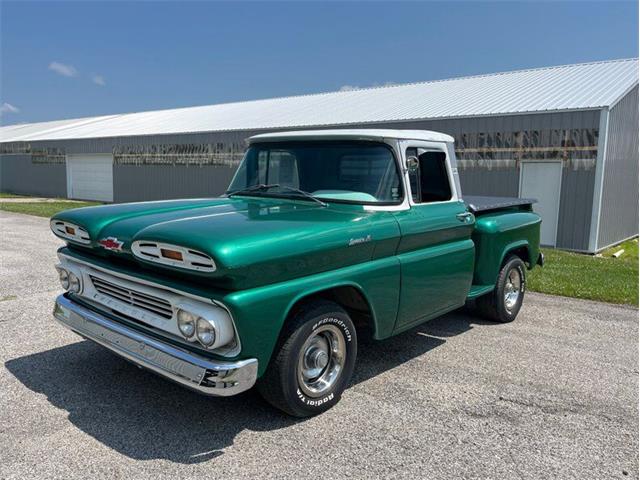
(542, 181)
(90, 177)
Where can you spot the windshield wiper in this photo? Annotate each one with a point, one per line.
(252, 188)
(304, 194)
(264, 187)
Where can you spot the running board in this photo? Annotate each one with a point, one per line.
(479, 290)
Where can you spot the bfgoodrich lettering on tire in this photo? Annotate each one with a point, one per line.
(314, 361)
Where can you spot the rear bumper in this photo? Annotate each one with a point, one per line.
(211, 377)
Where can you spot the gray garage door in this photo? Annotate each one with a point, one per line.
(90, 177)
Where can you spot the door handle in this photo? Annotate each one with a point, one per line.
(465, 217)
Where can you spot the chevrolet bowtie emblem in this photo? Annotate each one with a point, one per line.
(111, 243)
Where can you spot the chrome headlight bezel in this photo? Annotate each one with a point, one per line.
(70, 279)
(63, 277)
(206, 328)
(186, 319)
(75, 283)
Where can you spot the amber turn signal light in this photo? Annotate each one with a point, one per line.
(172, 254)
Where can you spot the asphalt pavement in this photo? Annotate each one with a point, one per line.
(552, 395)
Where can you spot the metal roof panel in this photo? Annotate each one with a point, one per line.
(568, 87)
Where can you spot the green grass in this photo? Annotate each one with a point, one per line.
(9, 195)
(606, 279)
(43, 209)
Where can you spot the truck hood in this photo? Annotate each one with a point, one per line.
(252, 240)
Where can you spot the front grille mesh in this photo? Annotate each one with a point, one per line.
(155, 305)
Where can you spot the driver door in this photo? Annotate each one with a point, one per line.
(436, 252)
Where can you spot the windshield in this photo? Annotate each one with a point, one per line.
(353, 172)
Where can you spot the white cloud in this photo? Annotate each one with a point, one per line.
(8, 108)
(349, 88)
(98, 80)
(63, 69)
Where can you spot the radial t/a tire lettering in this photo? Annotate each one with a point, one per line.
(314, 361)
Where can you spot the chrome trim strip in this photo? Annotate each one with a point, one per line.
(210, 377)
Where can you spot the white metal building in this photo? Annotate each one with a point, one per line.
(566, 135)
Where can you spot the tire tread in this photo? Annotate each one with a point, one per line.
(270, 386)
(487, 305)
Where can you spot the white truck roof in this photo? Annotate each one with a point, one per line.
(353, 134)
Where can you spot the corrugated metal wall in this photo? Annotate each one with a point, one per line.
(156, 182)
(619, 211)
(151, 182)
(18, 174)
(131, 182)
(576, 202)
(576, 198)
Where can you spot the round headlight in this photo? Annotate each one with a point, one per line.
(186, 323)
(64, 278)
(74, 283)
(206, 332)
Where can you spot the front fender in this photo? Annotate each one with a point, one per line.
(260, 313)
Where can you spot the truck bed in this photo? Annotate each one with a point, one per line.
(480, 204)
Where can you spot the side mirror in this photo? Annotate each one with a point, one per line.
(412, 164)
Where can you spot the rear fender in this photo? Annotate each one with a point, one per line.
(497, 235)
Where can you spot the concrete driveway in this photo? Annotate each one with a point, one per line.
(553, 395)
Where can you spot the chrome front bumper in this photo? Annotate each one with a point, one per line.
(211, 377)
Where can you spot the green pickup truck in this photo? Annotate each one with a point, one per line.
(323, 238)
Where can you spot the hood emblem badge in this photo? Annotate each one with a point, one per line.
(111, 243)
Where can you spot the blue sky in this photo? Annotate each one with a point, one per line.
(66, 60)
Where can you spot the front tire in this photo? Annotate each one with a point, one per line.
(314, 362)
(503, 304)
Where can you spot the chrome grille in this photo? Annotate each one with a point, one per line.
(155, 305)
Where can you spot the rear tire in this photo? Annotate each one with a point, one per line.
(503, 304)
(314, 362)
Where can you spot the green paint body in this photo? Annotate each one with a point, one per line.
(410, 265)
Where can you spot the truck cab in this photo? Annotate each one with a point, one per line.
(322, 237)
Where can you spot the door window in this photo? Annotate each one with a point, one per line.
(430, 181)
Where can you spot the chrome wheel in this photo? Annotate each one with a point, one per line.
(512, 289)
(321, 360)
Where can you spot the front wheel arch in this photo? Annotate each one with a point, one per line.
(349, 296)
